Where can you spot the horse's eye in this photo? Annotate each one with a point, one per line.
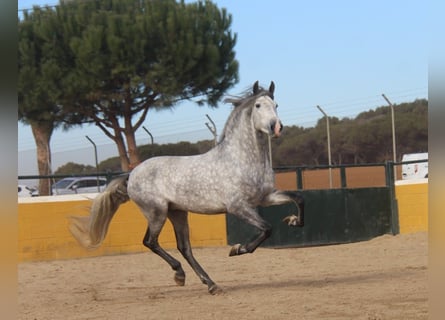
(258, 105)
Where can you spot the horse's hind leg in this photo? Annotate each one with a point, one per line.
(151, 241)
(180, 225)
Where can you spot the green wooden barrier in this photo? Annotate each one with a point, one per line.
(331, 216)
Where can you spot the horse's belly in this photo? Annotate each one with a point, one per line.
(203, 203)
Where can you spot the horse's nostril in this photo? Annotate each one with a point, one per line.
(276, 127)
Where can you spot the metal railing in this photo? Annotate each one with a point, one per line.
(389, 169)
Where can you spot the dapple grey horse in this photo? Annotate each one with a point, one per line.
(235, 176)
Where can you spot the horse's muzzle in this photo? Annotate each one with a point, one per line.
(276, 127)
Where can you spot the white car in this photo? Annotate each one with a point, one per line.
(79, 185)
(25, 191)
(415, 170)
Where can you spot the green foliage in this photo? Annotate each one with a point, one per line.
(110, 165)
(148, 53)
(155, 150)
(75, 168)
(38, 74)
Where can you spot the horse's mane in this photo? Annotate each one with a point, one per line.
(241, 103)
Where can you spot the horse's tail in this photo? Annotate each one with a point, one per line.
(90, 231)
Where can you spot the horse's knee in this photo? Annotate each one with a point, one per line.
(147, 245)
(150, 243)
(300, 203)
(295, 196)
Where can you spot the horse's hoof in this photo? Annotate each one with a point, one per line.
(180, 280)
(214, 290)
(293, 221)
(235, 250)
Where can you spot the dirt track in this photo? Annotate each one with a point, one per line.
(384, 278)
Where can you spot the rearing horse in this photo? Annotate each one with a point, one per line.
(235, 176)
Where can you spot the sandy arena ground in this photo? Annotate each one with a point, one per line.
(384, 278)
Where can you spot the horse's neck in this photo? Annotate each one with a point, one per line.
(251, 144)
(263, 148)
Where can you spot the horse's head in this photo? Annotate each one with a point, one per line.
(261, 109)
(264, 111)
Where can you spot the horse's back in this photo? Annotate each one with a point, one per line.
(181, 182)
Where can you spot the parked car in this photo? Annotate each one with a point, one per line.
(79, 185)
(25, 191)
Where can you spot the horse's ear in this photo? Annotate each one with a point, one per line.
(272, 88)
(255, 87)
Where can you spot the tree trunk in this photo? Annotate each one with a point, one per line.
(113, 124)
(125, 162)
(129, 130)
(42, 134)
(133, 152)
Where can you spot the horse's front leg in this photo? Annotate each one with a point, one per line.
(281, 197)
(181, 228)
(252, 217)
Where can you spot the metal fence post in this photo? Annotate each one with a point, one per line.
(299, 178)
(343, 177)
(390, 183)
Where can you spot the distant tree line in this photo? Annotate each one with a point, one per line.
(365, 139)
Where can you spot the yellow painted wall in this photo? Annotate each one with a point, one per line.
(412, 201)
(43, 230)
(43, 226)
